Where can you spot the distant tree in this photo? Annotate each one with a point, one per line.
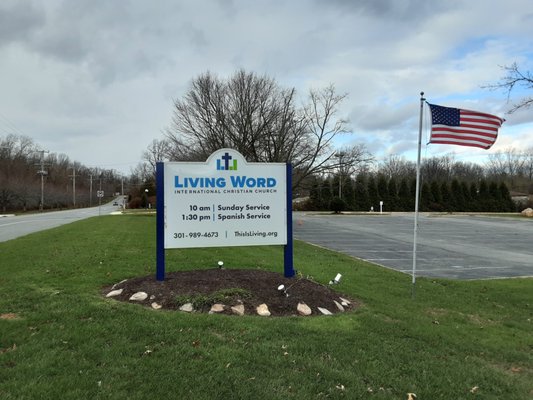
(337, 205)
(383, 190)
(505, 165)
(158, 150)
(458, 199)
(495, 197)
(7, 198)
(335, 186)
(362, 201)
(397, 167)
(141, 176)
(483, 196)
(314, 195)
(392, 195)
(325, 194)
(466, 196)
(508, 204)
(352, 160)
(474, 197)
(348, 193)
(372, 190)
(436, 196)
(412, 189)
(528, 164)
(437, 168)
(144, 200)
(466, 171)
(447, 200)
(425, 197)
(406, 200)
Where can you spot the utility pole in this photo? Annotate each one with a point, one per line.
(91, 191)
(122, 192)
(100, 189)
(42, 172)
(100, 195)
(73, 176)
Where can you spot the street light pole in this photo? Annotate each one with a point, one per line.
(340, 156)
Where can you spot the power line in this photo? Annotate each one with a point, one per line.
(10, 125)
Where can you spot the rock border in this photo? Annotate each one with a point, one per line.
(238, 309)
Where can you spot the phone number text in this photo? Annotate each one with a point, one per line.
(194, 235)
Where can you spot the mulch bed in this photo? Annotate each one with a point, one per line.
(259, 287)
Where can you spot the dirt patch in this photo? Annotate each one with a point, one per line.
(9, 316)
(232, 287)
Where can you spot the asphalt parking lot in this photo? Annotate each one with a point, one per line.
(454, 247)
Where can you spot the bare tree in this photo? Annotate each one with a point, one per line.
(513, 166)
(243, 113)
(438, 168)
(158, 150)
(528, 164)
(142, 174)
(258, 118)
(506, 163)
(316, 153)
(398, 167)
(514, 78)
(467, 171)
(351, 160)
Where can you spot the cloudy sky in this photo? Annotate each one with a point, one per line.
(95, 79)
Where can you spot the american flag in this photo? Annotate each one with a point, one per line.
(463, 127)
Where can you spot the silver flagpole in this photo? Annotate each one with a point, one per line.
(417, 192)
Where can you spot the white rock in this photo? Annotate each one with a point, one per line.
(139, 296)
(238, 309)
(156, 306)
(262, 310)
(324, 311)
(114, 293)
(339, 306)
(303, 309)
(187, 307)
(343, 300)
(528, 212)
(216, 308)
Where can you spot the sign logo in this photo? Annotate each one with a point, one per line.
(223, 163)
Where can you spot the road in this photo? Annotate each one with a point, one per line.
(456, 247)
(12, 227)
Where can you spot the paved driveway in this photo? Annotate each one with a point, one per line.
(12, 227)
(457, 247)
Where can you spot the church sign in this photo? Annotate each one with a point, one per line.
(225, 201)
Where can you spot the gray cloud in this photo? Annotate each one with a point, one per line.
(108, 70)
(18, 20)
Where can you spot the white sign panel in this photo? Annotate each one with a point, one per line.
(225, 201)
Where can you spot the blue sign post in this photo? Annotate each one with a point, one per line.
(288, 250)
(160, 223)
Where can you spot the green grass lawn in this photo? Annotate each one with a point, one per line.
(456, 340)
